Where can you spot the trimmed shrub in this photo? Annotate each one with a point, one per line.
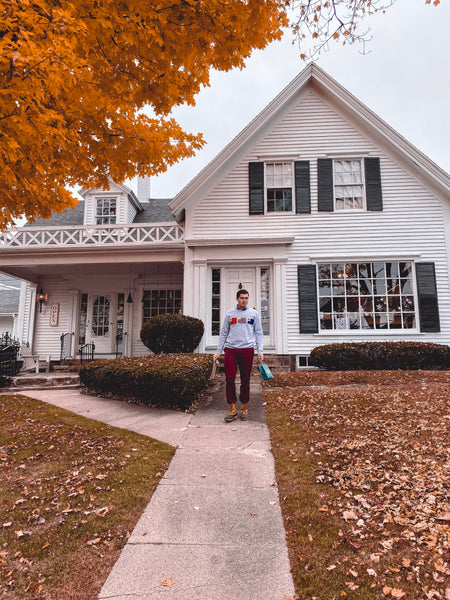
(172, 334)
(381, 355)
(163, 380)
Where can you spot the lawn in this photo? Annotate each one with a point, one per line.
(71, 491)
(362, 462)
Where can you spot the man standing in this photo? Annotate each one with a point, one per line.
(241, 330)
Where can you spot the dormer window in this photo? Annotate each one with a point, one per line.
(106, 211)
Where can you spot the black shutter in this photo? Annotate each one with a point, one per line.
(256, 188)
(307, 298)
(325, 184)
(428, 300)
(373, 184)
(302, 187)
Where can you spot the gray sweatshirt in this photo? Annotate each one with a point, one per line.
(241, 329)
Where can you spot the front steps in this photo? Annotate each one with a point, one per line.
(38, 381)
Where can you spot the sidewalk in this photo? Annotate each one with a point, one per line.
(213, 528)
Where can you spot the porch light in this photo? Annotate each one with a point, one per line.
(41, 298)
(130, 297)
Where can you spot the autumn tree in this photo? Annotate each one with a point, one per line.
(75, 77)
(317, 22)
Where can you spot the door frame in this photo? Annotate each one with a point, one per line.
(256, 266)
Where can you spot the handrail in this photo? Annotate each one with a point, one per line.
(86, 350)
(90, 235)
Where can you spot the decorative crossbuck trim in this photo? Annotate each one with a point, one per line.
(90, 235)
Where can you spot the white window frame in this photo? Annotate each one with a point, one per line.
(342, 328)
(100, 202)
(160, 288)
(267, 187)
(352, 209)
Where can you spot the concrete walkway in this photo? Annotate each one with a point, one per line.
(213, 528)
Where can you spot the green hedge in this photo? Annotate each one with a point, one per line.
(163, 380)
(172, 333)
(381, 355)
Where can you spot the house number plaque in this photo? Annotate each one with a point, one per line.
(54, 315)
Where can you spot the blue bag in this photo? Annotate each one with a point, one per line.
(265, 372)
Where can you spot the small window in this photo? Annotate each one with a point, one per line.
(106, 211)
(279, 187)
(348, 185)
(160, 302)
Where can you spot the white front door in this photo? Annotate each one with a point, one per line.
(226, 281)
(99, 326)
(235, 280)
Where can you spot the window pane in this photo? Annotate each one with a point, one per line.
(324, 288)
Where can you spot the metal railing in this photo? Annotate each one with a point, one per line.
(66, 346)
(86, 352)
(9, 351)
(90, 235)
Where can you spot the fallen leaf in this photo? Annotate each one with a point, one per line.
(397, 593)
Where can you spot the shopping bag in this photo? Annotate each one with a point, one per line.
(265, 371)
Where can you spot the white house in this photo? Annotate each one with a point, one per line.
(337, 226)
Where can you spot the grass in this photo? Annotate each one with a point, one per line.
(71, 491)
(362, 462)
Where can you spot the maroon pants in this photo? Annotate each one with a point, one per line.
(234, 358)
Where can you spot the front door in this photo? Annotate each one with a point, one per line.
(239, 279)
(99, 323)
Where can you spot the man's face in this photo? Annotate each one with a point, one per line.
(242, 301)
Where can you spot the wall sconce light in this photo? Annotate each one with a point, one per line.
(41, 298)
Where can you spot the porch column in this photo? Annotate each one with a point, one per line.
(188, 277)
(280, 305)
(201, 294)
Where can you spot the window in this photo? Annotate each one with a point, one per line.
(369, 295)
(83, 319)
(348, 184)
(160, 302)
(100, 316)
(279, 187)
(105, 211)
(352, 184)
(265, 300)
(215, 302)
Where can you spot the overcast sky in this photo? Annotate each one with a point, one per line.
(404, 78)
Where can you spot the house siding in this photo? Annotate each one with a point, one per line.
(47, 339)
(410, 226)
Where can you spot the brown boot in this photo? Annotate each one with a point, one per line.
(244, 412)
(232, 414)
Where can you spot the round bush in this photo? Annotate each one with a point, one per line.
(166, 334)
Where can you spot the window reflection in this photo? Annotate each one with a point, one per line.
(365, 296)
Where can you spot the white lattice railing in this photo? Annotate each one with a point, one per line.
(90, 235)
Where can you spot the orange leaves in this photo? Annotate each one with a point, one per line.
(74, 78)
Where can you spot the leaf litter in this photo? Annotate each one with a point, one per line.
(384, 449)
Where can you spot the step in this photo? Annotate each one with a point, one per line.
(44, 380)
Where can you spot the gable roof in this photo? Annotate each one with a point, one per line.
(313, 77)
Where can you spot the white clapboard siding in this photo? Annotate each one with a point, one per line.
(411, 224)
(46, 338)
(129, 211)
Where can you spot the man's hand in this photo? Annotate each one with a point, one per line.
(216, 356)
(261, 357)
